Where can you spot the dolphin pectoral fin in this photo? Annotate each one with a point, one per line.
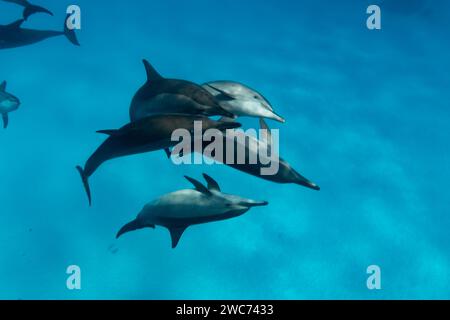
(3, 86)
(175, 234)
(32, 9)
(268, 138)
(85, 181)
(152, 74)
(198, 186)
(5, 120)
(212, 184)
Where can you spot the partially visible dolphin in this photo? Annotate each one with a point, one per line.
(245, 101)
(8, 103)
(13, 35)
(253, 149)
(145, 135)
(160, 95)
(29, 8)
(178, 210)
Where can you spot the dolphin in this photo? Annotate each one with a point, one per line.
(253, 149)
(13, 35)
(178, 210)
(8, 103)
(29, 8)
(145, 135)
(160, 95)
(244, 100)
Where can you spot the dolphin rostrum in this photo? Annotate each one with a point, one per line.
(8, 103)
(178, 210)
(160, 95)
(145, 135)
(244, 100)
(29, 8)
(13, 35)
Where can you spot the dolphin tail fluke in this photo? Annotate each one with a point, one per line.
(70, 33)
(32, 9)
(131, 226)
(85, 181)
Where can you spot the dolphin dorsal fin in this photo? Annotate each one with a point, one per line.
(3, 86)
(15, 24)
(175, 234)
(212, 184)
(152, 74)
(198, 186)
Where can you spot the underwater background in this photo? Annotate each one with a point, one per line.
(367, 118)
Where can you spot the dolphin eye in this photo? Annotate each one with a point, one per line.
(256, 97)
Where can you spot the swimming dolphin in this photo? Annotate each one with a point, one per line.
(13, 36)
(245, 101)
(29, 8)
(160, 95)
(178, 210)
(8, 103)
(252, 148)
(145, 135)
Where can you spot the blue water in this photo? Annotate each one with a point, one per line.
(367, 119)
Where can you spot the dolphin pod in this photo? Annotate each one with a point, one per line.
(158, 108)
(29, 8)
(145, 135)
(8, 103)
(178, 210)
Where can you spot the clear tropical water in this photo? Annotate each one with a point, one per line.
(367, 119)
